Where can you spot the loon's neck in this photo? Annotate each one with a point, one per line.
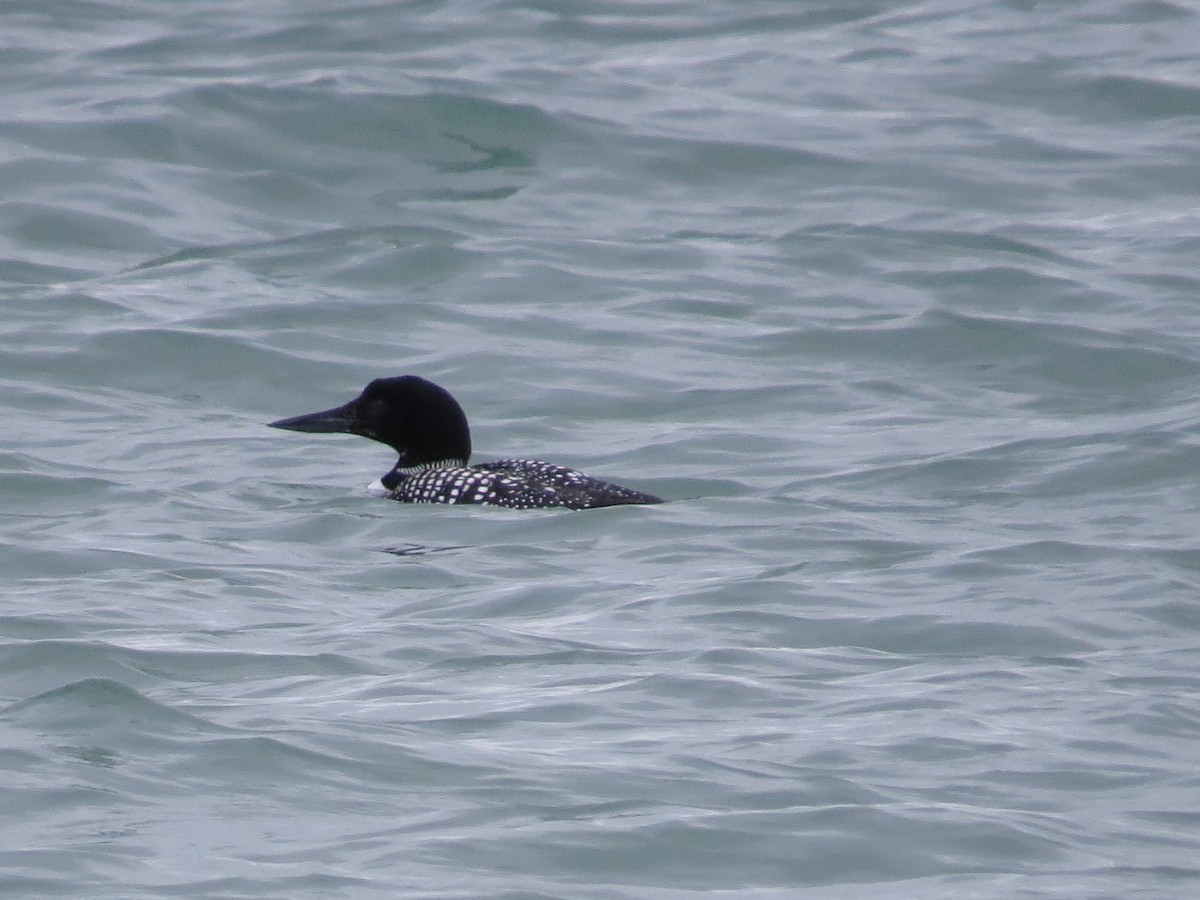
(399, 472)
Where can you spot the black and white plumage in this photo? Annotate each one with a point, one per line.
(425, 425)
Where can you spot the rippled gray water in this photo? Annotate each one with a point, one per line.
(896, 303)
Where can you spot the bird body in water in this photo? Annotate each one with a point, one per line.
(426, 426)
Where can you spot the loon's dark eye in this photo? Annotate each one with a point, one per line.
(374, 410)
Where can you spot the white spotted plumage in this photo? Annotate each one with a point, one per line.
(511, 483)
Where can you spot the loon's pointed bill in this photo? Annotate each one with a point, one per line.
(339, 420)
(426, 426)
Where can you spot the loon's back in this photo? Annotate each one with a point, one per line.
(511, 483)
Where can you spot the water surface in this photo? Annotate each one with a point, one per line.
(894, 302)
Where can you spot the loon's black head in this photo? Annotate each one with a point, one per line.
(418, 419)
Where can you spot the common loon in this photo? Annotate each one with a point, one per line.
(427, 427)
